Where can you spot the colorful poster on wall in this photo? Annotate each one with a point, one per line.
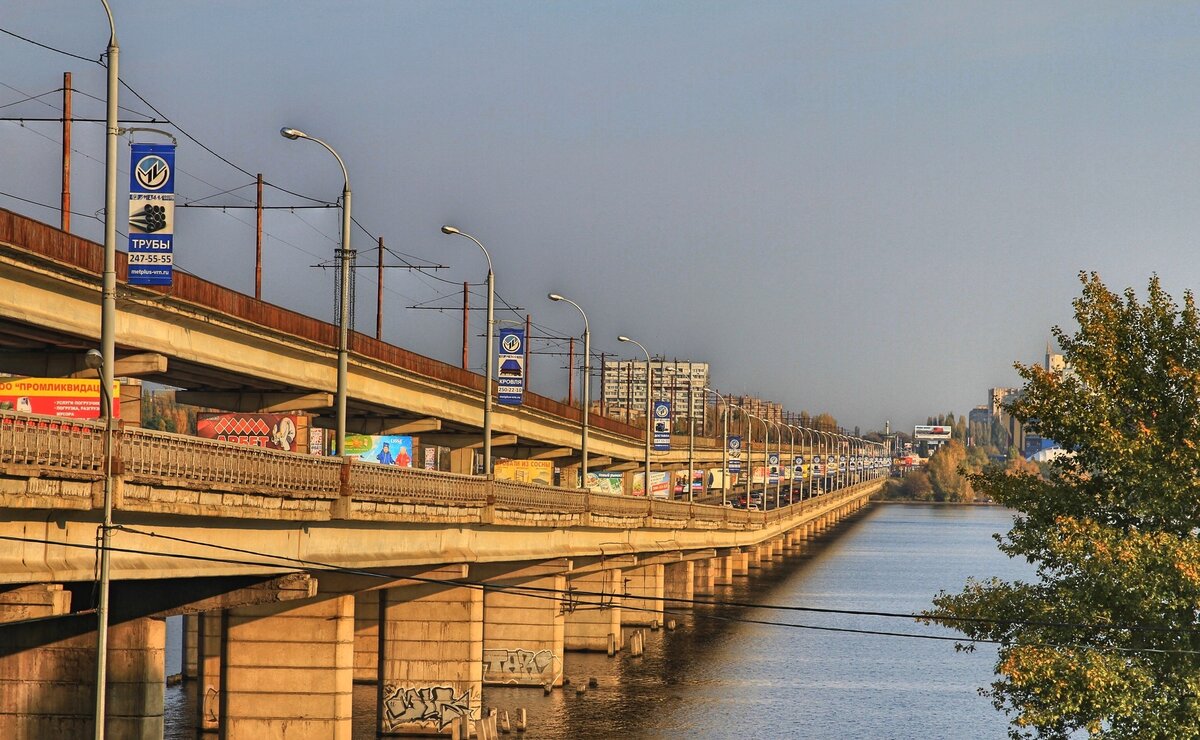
(387, 449)
(662, 426)
(511, 372)
(660, 484)
(606, 481)
(151, 213)
(66, 397)
(316, 441)
(273, 431)
(538, 472)
(431, 458)
(681, 482)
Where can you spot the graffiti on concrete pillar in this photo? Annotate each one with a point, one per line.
(428, 705)
(521, 666)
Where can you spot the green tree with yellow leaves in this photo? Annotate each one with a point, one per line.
(1106, 639)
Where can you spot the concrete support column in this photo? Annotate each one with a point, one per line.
(753, 557)
(644, 586)
(191, 623)
(523, 634)
(366, 636)
(679, 584)
(289, 670)
(430, 665)
(47, 686)
(777, 548)
(210, 658)
(594, 622)
(722, 568)
(741, 562)
(704, 577)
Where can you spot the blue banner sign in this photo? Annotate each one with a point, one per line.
(662, 425)
(151, 213)
(773, 467)
(511, 382)
(798, 468)
(735, 454)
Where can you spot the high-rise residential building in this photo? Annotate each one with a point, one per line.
(623, 389)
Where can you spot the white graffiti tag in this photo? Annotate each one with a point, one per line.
(436, 705)
(521, 666)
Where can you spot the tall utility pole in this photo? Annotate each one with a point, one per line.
(65, 218)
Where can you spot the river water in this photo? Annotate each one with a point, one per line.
(719, 675)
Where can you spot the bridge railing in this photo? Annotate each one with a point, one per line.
(49, 441)
(76, 447)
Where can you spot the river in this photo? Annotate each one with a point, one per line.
(720, 676)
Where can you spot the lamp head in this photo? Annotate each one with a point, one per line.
(292, 133)
(450, 230)
(624, 339)
(93, 359)
(554, 297)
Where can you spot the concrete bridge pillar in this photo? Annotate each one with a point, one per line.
(366, 636)
(429, 655)
(644, 586)
(595, 621)
(678, 583)
(523, 633)
(753, 557)
(741, 562)
(288, 670)
(705, 577)
(722, 568)
(47, 685)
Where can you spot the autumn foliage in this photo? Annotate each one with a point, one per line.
(1105, 640)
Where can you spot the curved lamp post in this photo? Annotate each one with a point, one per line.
(587, 381)
(95, 360)
(345, 258)
(725, 449)
(766, 461)
(487, 372)
(648, 410)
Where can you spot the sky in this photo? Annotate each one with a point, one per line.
(865, 208)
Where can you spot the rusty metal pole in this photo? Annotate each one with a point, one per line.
(528, 323)
(379, 295)
(258, 233)
(466, 347)
(65, 219)
(571, 372)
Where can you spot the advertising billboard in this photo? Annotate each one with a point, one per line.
(662, 426)
(735, 454)
(272, 431)
(538, 472)
(660, 484)
(606, 481)
(151, 213)
(385, 449)
(66, 397)
(925, 431)
(511, 367)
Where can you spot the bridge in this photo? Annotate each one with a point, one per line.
(299, 575)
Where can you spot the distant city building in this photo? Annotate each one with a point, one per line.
(762, 408)
(678, 381)
(979, 425)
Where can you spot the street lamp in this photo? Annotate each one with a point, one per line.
(648, 410)
(724, 449)
(95, 360)
(587, 381)
(779, 454)
(345, 259)
(487, 383)
(766, 461)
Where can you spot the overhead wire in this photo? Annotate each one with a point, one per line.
(291, 563)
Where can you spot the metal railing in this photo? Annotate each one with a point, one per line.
(75, 447)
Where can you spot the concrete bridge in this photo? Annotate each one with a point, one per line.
(298, 576)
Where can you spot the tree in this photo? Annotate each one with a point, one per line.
(949, 483)
(1106, 638)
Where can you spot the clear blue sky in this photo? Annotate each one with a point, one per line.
(866, 208)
